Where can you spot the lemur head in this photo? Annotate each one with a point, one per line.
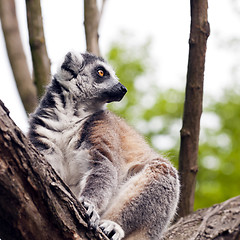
(89, 79)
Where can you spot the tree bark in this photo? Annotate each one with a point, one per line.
(34, 202)
(219, 222)
(41, 62)
(91, 23)
(16, 55)
(188, 156)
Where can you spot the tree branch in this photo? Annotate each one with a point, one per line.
(16, 55)
(221, 221)
(188, 156)
(41, 62)
(91, 23)
(102, 8)
(35, 203)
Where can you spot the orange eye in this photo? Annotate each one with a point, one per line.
(101, 73)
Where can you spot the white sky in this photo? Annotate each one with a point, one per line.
(167, 23)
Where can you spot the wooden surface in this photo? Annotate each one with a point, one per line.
(34, 201)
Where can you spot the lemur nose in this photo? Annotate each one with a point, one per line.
(123, 89)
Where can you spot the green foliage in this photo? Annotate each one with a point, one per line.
(154, 113)
(129, 66)
(158, 115)
(219, 153)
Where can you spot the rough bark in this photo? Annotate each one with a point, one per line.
(34, 201)
(219, 222)
(188, 156)
(16, 55)
(91, 23)
(41, 62)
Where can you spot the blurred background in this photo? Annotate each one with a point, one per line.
(147, 43)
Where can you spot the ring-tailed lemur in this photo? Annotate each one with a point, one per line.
(129, 191)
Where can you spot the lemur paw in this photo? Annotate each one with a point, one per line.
(112, 229)
(91, 214)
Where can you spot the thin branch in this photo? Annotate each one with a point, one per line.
(102, 8)
(16, 55)
(41, 62)
(91, 23)
(188, 156)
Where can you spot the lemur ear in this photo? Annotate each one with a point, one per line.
(73, 63)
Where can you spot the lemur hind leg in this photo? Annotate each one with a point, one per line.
(147, 201)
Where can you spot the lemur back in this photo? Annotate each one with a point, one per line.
(129, 191)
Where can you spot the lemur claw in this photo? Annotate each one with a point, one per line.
(91, 214)
(112, 229)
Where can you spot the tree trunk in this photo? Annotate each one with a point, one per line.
(16, 55)
(35, 203)
(219, 222)
(91, 23)
(188, 156)
(41, 62)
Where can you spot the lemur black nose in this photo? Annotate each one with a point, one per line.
(116, 93)
(123, 89)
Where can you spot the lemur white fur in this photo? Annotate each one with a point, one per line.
(129, 191)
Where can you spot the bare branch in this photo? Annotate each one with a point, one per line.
(41, 62)
(91, 23)
(188, 156)
(102, 8)
(16, 55)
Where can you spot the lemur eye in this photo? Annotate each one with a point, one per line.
(100, 73)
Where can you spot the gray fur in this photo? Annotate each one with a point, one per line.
(127, 189)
